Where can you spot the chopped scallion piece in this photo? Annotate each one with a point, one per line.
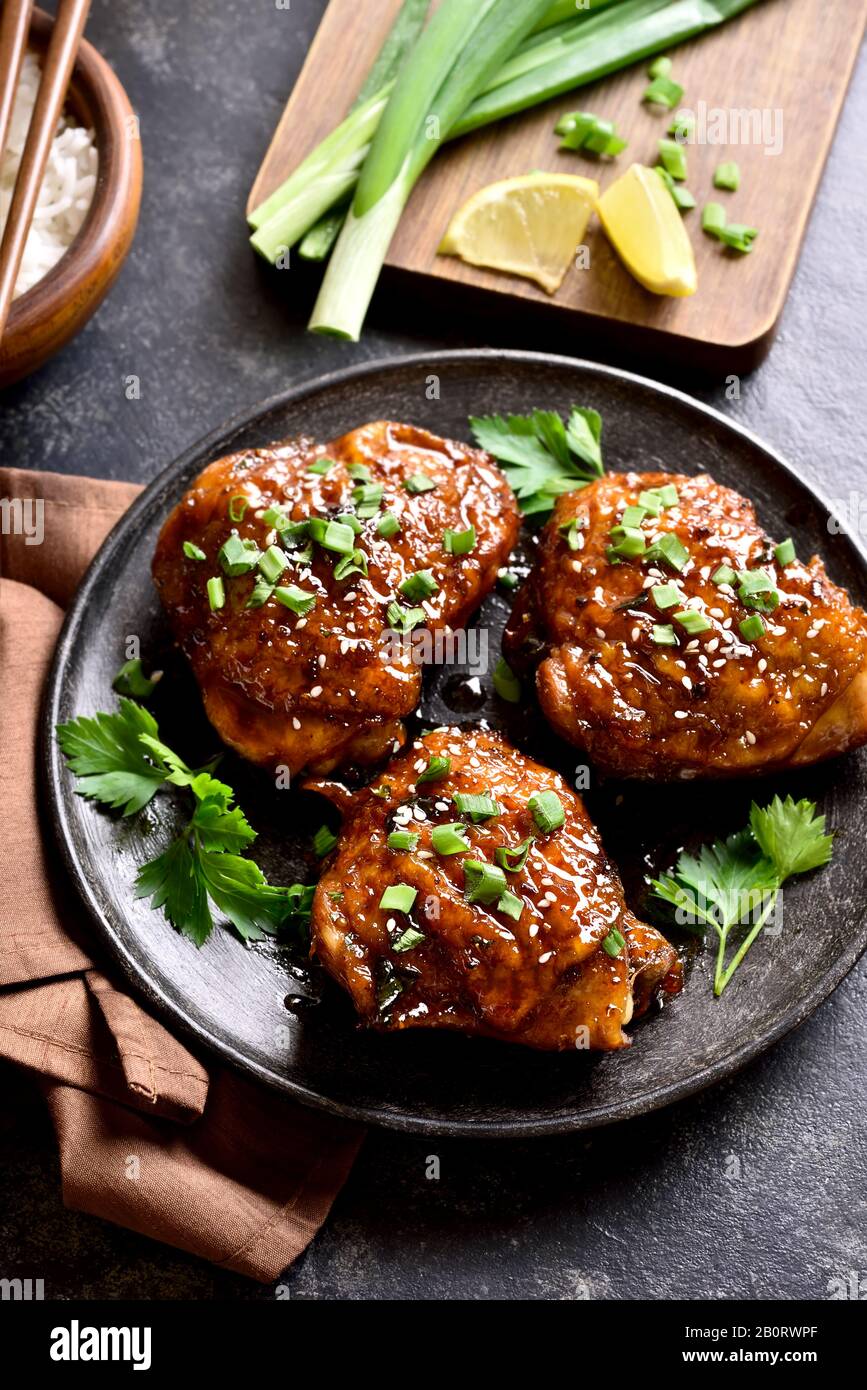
(368, 499)
(398, 897)
(388, 525)
(419, 482)
(193, 552)
(408, 940)
(238, 507)
(333, 535)
(321, 466)
(693, 622)
(274, 517)
(297, 600)
(483, 883)
(583, 131)
(738, 237)
(660, 67)
(757, 591)
(728, 176)
(663, 635)
(356, 563)
(663, 91)
(632, 516)
(237, 556)
(404, 619)
(402, 840)
(347, 519)
(509, 579)
(724, 575)
(449, 839)
(419, 585)
(666, 595)
(670, 549)
(682, 126)
(673, 157)
(785, 553)
(683, 199)
(359, 472)
(478, 806)
(613, 943)
(513, 860)
(216, 593)
(324, 841)
(132, 681)
(459, 542)
(437, 768)
(713, 218)
(571, 532)
(262, 591)
(506, 683)
(668, 495)
(752, 628)
(547, 811)
(628, 542)
(272, 563)
(510, 904)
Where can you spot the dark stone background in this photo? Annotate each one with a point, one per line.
(643, 1210)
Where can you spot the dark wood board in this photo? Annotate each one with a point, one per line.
(790, 59)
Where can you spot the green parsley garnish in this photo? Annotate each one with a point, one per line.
(734, 883)
(540, 455)
(324, 841)
(131, 680)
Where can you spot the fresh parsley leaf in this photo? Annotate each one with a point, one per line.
(240, 890)
(792, 836)
(174, 882)
(540, 455)
(108, 757)
(734, 883)
(221, 829)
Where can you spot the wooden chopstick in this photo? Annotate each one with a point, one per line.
(56, 70)
(14, 28)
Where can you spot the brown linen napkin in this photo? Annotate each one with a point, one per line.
(150, 1137)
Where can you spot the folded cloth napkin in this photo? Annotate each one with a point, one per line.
(151, 1136)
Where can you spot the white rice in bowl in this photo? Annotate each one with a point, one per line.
(67, 189)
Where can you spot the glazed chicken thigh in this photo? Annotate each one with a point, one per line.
(673, 639)
(284, 569)
(470, 890)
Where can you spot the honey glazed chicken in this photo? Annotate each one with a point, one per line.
(283, 568)
(469, 890)
(672, 639)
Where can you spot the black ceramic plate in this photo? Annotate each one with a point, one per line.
(257, 1007)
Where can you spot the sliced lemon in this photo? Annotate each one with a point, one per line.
(531, 226)
(647, 232)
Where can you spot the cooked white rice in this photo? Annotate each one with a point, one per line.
(67, 189)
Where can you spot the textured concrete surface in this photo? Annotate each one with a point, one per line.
(756, 1189)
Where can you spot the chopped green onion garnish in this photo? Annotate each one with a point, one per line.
(513, 860)
(409, 939)
(727, 176)
(510, 580)
(359, 472)
(237, 556)
(547, 811)
(347, 519)
(724, 575)
(693, 622)
(132, 681)
(262, 591)
(333, 535)
(459, 542)
(274, 517)
(437, 768)
(483, 883)
(571, 533)
(650, 502)
(682, 126)
(666, 595)
(633, 516)
(402, 839)
(398, 897)
(785, 553)
(298, 600)
(656, 499)
(216, 593)
(668, 495)
(449, 839)
(738, 237)
(238, 506)
(367, 498)
(404, 619)
(506, 683)
(583, 131)
(324, 841)
(419, 585)
(663, 91)
(628, 542)
(673, 157)
(478, 806)
(510, 904)
(356, 563)
(193, 552)
(419, 482)
(321, 466)
(388, 525)
(663, 635)
(713, 218)
(757, 590)
(660, 67)
(670, 549)
(683, 199)
(272, 563)
(613, 943)
(752, 628)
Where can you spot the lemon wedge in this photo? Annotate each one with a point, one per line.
(531, 226)
(647, 232)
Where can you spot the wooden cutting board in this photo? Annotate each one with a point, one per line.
(788, 60)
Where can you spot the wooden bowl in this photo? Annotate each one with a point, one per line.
(43, 319)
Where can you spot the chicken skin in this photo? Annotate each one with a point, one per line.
(282, 569)
(673, 639)
(427, 923)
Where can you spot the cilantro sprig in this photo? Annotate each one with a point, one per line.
(734, 883)
(120, 760)
(540, 455)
